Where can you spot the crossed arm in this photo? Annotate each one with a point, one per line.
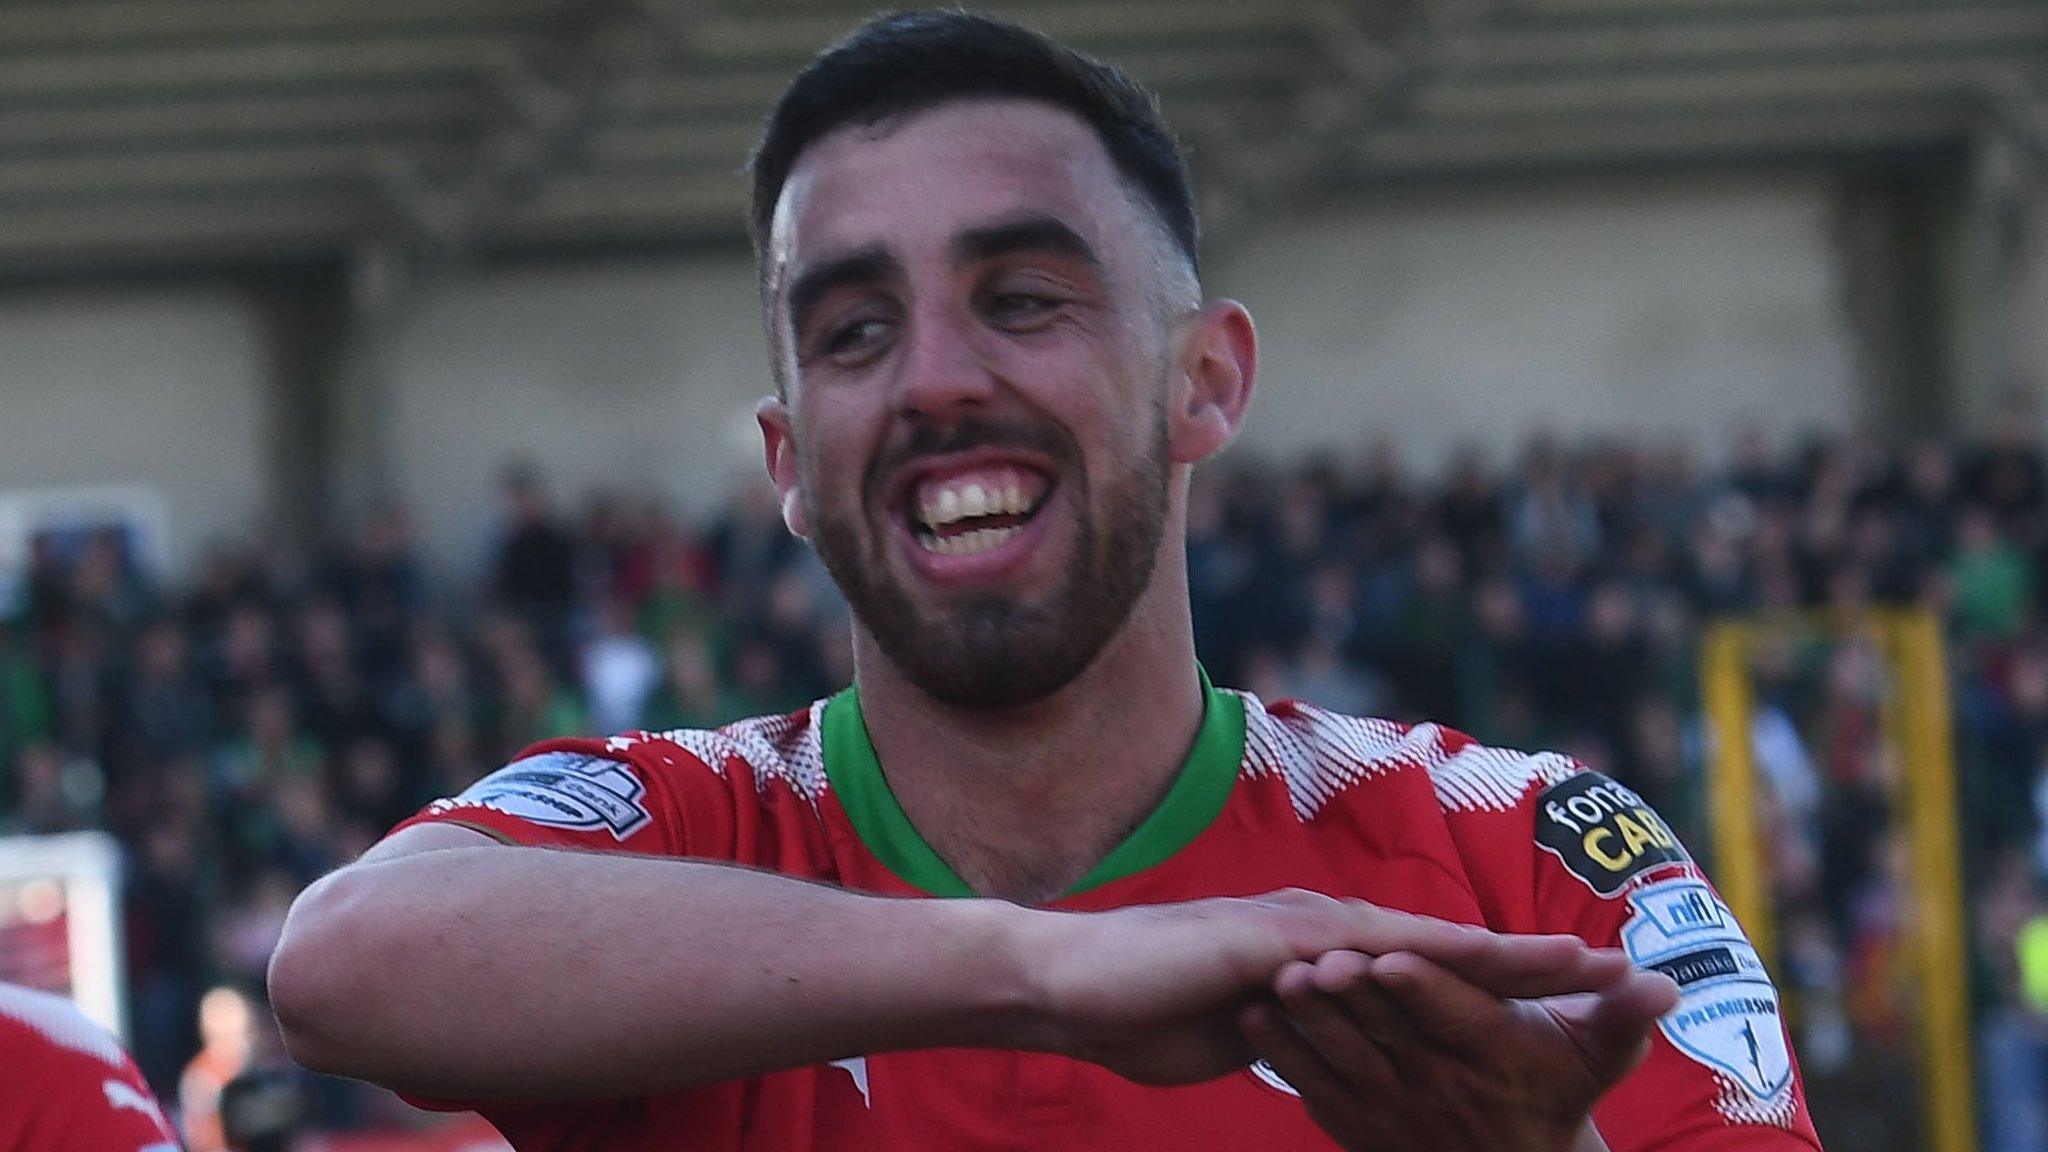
(447, 965)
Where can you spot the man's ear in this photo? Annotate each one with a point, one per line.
(778, 448)
(1219, 368)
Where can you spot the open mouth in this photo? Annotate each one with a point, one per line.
(970, 511)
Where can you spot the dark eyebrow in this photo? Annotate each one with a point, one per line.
(1031, 234)
(867, 266)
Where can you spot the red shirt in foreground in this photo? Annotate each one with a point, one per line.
(66, 1086)
(1418, 818)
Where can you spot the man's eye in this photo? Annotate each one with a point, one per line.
(853, 337)
(1019, 307)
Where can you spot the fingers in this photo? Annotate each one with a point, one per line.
(1528, 967)
(1344, 1018)
(1508, 965)
(1357, 1116)
(1612, 1028)
(1277, 1042)
(1636, 1002)
(1609, 1028)
(1505, 964)
(1369, 1040)
(1451, 1012)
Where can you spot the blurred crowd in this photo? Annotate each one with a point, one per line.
(243, 733)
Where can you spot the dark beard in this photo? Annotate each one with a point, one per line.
(992, 652)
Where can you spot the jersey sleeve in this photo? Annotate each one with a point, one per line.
(110, 1112)
(1721, 1072)
(68, 1087)
(1596, 861)
(632, 793)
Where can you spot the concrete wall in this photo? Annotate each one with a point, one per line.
(2027, 323)
(162, 390)
(627, 377)
(1673, 309)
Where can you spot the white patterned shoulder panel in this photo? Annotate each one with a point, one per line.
(60, 1022)
(1322, 753)
(777, 748)
(1495, 779)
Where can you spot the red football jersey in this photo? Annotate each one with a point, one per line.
(66, 1086)
(1418, 818)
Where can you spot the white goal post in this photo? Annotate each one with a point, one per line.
(60, 921)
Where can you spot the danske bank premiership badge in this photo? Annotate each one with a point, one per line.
(1727, 1014)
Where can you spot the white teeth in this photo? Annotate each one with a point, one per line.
(966, 543)
(948, 504)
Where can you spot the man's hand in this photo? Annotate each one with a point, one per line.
(1395, 1052)
(1154, 992)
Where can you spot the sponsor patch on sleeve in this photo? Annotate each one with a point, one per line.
(1603, 832)
(564, 790)
(1727, 1016)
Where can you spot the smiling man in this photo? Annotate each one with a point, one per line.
(1033, 881)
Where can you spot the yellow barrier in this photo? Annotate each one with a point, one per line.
(1918, 718)
(1928, 743)
(1731, 787)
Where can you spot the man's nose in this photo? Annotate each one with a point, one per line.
(942, 374)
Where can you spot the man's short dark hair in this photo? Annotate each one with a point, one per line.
(908, 61)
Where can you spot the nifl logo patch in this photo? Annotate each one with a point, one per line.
(1604, 832)
(566, 790)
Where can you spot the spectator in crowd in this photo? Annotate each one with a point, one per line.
(227, 1033)
(165, 713)
(534, 573)
(2012, 928)
(619, 667)
(690, 694)
(54, 792)
(1991, 584)
(533, 702)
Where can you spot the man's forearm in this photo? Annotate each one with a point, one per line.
(531, 974)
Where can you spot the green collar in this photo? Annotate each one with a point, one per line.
(855, 773)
